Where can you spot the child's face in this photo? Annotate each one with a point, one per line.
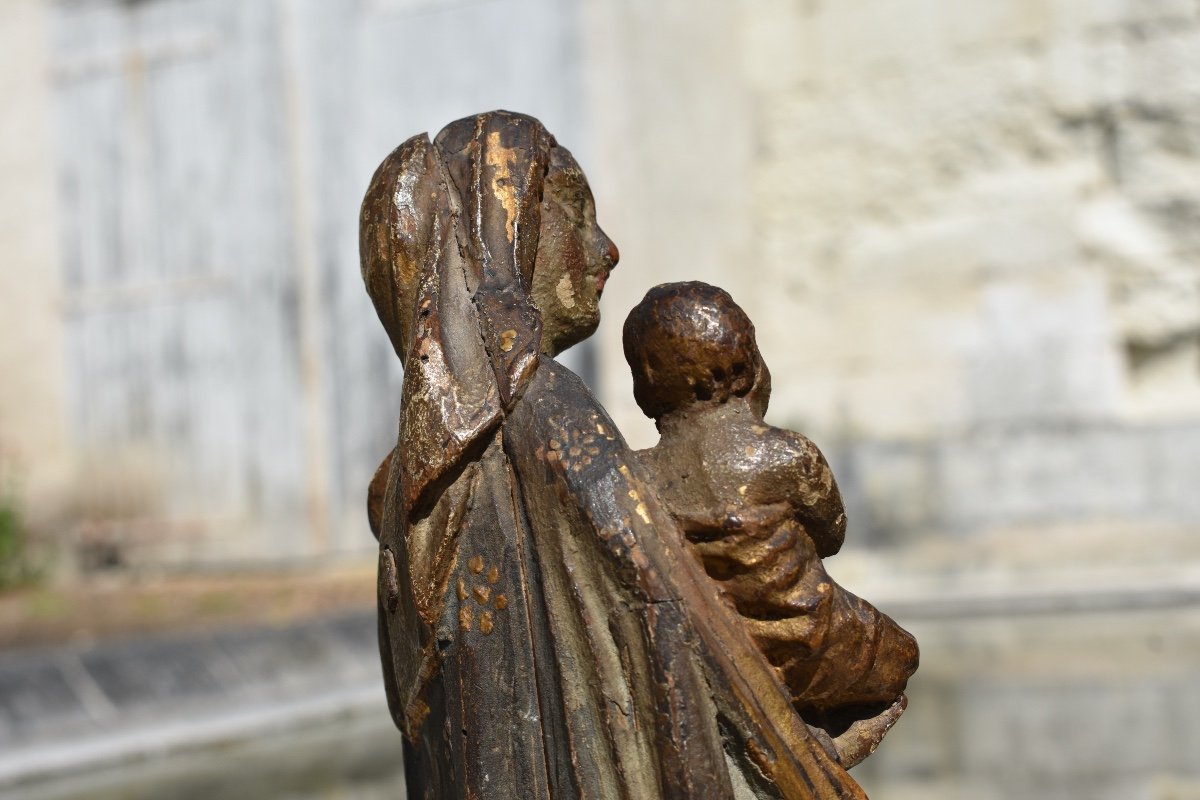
(760, 392)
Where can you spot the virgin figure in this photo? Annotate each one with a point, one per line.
(544, 630)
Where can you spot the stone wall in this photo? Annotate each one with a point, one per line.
(966, 232)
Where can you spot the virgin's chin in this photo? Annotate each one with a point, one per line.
(580, 327)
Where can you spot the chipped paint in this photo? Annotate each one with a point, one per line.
(565, 291)
(501, 159)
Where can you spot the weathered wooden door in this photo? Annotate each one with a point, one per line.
(229, 386)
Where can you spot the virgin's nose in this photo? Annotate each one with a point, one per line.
(613, 254)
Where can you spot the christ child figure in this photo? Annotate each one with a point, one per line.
(760, 508)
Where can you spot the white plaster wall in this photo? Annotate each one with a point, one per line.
(948, 220)
(33, 435)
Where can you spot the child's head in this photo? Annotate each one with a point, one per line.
(689, 343)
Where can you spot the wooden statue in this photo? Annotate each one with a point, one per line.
(560, 617)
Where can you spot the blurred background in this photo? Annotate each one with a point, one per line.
(968, 232)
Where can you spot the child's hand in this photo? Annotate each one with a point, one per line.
(863, 736)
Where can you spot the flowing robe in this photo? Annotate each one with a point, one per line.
(577, 649)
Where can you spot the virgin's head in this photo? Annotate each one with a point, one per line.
(574, 257)
(498, 189)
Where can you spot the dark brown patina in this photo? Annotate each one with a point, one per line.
(544, 628)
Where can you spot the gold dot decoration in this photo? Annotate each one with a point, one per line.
(483, 595)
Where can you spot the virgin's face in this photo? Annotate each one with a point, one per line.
(574, 257)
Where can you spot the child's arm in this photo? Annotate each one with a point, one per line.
(801, 475)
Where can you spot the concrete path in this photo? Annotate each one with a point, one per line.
(217, 712)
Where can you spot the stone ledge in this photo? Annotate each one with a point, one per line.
(70, 707)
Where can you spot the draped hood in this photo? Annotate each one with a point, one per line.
(449, 235)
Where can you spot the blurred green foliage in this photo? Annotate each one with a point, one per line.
(16, 566)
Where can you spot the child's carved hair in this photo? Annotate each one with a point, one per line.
(690, 343)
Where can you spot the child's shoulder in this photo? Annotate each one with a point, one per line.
(781, 447)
